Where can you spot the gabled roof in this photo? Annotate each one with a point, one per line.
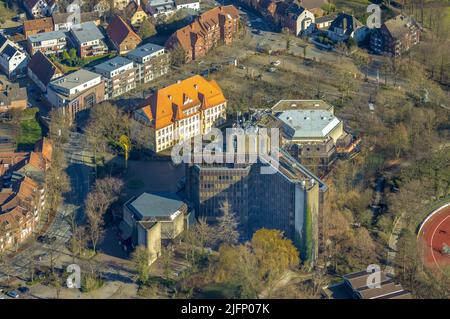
(37, 24)
(168, 104)
(400, 25)
(118, 30)
(346, 22)
(9, 51)
(326, 18)
(37, 161)
(45, 147)
(43, 68)
(132, 8)
(3, 40)
(190, 34)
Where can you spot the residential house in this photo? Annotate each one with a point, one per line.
(152, 61)
(48, 43)
(211, 28)
(345, 27)
(182, 110)
(88, 39)
(188, 4)
(123, 38)
(13, 61)
(31, 27)
(13, 97)
(295, 18)
(119, 75)
(23, 195)
(76, 91)
(41, 70)
(161, 8)
(136, 15)
(151, 218)
(36, 8)
(396, 36)
(286, 14)
(61, 21)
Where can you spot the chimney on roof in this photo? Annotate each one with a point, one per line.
(178, 81)
(170, 97)
(196, 86)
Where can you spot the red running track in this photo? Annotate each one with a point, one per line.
(434, 233)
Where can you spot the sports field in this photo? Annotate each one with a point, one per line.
(435, 235)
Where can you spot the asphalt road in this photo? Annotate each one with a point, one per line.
(40, 253)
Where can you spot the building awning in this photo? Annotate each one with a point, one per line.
(125, 230)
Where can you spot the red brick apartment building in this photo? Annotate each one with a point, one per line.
(35, 26)
(396, 36)
(208, 30)
(22, 195)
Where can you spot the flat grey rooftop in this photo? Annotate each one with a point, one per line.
(112, 64)
(74, 79)
(145, 50)
(155, 205)
(308, 123)
(46, 36)
(86, 32)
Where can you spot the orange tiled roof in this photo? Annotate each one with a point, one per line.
(166, 105)
(27, 189)
(37, 160)
(45, 147)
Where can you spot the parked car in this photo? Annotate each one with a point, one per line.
(276, 63)
(272, 69)
(13, 294)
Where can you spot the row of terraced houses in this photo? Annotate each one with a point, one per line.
(22, 194)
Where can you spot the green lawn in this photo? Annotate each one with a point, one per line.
(30, 130)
